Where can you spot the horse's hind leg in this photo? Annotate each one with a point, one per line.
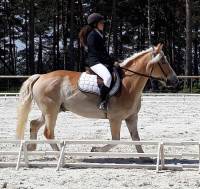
(35, 125)
(115, 127)
(50, 122)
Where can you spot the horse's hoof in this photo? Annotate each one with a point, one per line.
(95, 149)
(31, 147)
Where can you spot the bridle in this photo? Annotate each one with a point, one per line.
(150, 75)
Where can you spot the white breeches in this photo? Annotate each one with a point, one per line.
(102, 72)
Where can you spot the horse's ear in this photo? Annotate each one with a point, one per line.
(158, 48)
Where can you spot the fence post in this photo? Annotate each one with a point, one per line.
(20, 154)
(191, 85)
(62, 157)
(199, 156)
(158, 157)
(162, 156)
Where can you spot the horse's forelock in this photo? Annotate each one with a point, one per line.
(156, 59)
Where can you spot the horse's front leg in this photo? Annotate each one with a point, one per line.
(115, 127)
(131, 123)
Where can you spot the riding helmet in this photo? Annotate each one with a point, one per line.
(94, 18)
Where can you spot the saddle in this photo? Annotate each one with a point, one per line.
(89, 82)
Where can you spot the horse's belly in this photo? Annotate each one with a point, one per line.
(84, 105)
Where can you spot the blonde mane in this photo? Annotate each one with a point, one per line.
(134, 56)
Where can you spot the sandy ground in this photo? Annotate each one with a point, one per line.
(168, 118)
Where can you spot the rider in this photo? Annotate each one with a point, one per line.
(92, 39)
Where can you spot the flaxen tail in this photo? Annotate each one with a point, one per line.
(25, 101)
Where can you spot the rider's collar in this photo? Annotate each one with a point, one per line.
(99, 32)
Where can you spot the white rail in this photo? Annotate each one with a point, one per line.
(160, 155)
(9, 96)
(146, 97)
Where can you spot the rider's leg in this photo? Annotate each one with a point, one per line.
(104, 91)
(103, 72)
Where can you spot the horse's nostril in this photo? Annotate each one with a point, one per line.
(174, 82)
(168, 82)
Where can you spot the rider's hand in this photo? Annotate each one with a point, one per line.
(116, 64)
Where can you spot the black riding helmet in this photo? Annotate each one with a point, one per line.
(94, 18)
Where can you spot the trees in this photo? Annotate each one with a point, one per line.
(31, 36)
(196, 36)
(42, 35)
(188, 66)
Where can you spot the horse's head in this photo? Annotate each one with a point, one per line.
(159, 67)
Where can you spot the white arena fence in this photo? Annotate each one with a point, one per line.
(160, 155)
(9, 95)
(23, 156)
(145, 96)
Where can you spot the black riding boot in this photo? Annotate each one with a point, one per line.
(104, 98)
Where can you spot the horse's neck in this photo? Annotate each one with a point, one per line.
(137, 82)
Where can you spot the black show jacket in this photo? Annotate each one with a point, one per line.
(97, 52)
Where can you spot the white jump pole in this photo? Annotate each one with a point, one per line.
(19, 155)
(62, 157)
(159, 154)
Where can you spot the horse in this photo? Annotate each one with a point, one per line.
(57, 91)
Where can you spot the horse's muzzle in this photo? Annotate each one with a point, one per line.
(173, 82)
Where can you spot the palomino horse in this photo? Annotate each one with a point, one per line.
(57, 91)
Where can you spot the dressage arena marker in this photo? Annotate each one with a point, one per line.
(160, 155)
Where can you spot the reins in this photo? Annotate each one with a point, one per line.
(144, 75)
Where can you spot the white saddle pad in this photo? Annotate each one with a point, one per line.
(88, 83)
